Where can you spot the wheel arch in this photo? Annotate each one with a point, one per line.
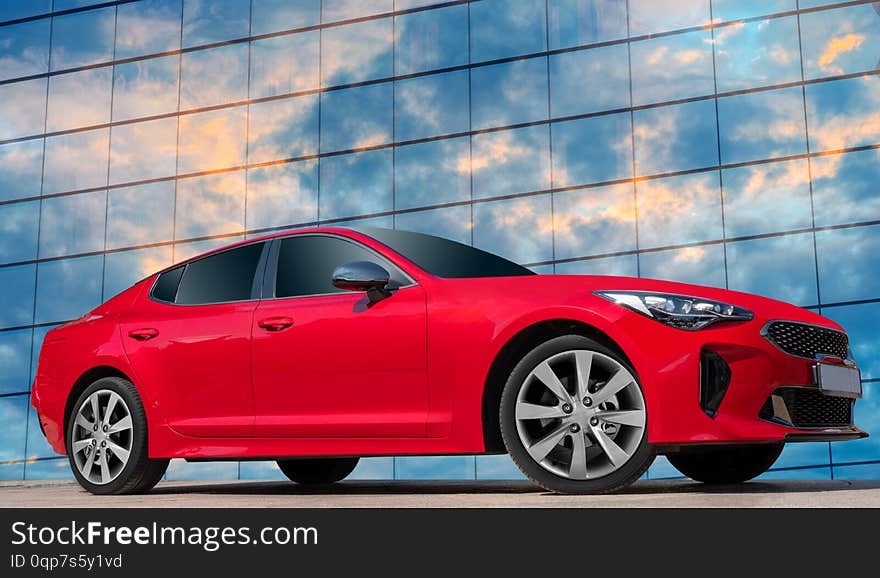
(513, 351)
(82, 382)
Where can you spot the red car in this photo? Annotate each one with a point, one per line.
(319, 346)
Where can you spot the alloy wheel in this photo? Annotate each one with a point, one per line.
(102, 437)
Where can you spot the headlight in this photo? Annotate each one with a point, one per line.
(678, 311)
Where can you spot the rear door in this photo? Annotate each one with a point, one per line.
(190, 342)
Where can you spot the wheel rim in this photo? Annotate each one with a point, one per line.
(102, 437)
(580, 414)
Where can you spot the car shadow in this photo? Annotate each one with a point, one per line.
(440, 487)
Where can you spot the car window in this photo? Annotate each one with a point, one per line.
(220, 278)
(306, 264)
(165, 288)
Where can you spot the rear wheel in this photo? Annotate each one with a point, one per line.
(317, 470)
(574, 419)
(107, 440)
(725, 465)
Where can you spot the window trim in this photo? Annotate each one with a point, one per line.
(256, 284)
(271, 271)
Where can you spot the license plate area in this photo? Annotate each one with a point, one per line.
(838, 380)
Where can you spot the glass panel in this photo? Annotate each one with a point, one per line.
(651, 16)
(518, 229)
(17, 295)
(431, 39)
(762, 125)
(54, 469)
(449, 222)
(799, 455)
(284, 64)
(122, 270)
(143, 150)
(866, 415)
(357, 52)
(14, 9)
(766, 198)
(589, 81)
(356, 117)
(432, 173)
(15, 356)
(843, 113)
(509, 93)
(182, 470)
(511, 161)
(21, 168)
(18, 231)
(861, 322)
(214, 76)
(205, 22)
(435, 468)
(356, 184)
(37, 344)
(145, 87)
(72, 224)
(282, 195)
(502, 28)
(431, 105)
(845, 187)
(814, 3)
(24, 48)
(184, 251)
(210, 205)
(592, 150)
(263, 470)
(281, 129)
(675, 138)
(679, 210)
(13, 420)
(274, 15)
(345, 9)
(736, 9)
(76, 161)
(500, 467)
(623, 266)
(697, 265)
(306, 264)
(672, 67)
(147, 27)
(226, 276)
(579, 22)
(840, 41)
(211, 140)
(83, 38)
(79, 99)
(594, 221)
(755, 266)
(858, 472)
(22, 108)
(140, 215)
(757, 54)
(848, 262)
(60, 5)
(68, 288)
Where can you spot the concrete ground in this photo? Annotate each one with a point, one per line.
(450, 494)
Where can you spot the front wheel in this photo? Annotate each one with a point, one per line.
(725, 465)
(574, 419)
(317, 470)
(107, 440)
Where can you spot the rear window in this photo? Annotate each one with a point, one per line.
(220, 278)
(165, 288)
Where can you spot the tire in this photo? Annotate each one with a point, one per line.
(725, 465)
(133, 473)
(594, 466)
(318, 470)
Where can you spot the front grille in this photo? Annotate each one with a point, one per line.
(807, 340)
(807, 407)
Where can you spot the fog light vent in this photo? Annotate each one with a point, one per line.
(714, 379)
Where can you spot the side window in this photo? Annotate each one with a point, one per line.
(220, 278)
(165, 288)
(306, 264)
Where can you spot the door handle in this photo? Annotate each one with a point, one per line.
(143, 334)
(275, 323)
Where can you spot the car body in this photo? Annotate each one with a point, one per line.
(420, 372)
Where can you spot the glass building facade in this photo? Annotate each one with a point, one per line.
(730, 143)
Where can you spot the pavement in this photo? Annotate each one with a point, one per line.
(449, 494)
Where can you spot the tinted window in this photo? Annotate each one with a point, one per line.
(165, 288)
(445, 258)
(226, 276)
(306, 264)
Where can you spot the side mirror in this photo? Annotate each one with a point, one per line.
(363, 276)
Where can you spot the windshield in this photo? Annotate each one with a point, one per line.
(445, 258)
